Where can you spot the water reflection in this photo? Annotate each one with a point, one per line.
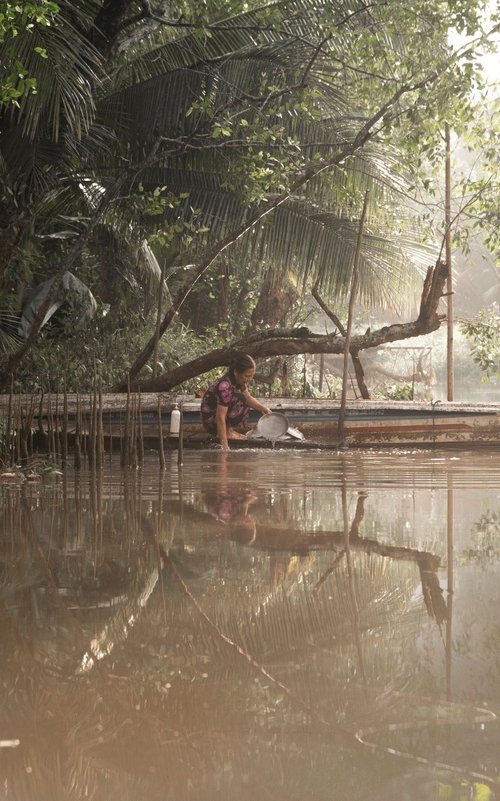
(254, 625)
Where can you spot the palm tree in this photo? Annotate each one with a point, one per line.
(235, 120)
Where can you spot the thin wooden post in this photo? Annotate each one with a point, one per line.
(94, 437)
(132, 457)
(57, 429)
(352, 298)
(100, 430)
(9, 431)
(50, 427)
(161, 449)
(449, 280)
(65, 427)
(23, 435)
(140, 432)
(180, 447)
(30, 429)
(125, 454)
(110, 434)
(78, 427)
(41, 431)
(86, 423)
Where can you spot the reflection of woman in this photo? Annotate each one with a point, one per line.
(227, 402)
(229, 503)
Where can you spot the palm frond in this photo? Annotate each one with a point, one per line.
(65, 78)
(9, 335)
(296, 22)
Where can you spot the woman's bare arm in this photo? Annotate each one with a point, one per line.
(220, 419)
(254, 403)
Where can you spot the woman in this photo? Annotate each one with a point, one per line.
(227, 402)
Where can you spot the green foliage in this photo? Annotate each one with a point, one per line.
(484, 335)
(66, 357)
(175, 137)
(16, 19)
(479, 186)
(399, 392)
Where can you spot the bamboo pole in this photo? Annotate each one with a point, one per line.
(449, 282)
(352, 298)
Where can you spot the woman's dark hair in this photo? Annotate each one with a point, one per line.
(240, 363)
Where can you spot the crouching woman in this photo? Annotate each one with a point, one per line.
(227, 402)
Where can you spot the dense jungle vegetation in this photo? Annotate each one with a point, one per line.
(178, 176)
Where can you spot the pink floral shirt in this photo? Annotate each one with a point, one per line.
(222, 392)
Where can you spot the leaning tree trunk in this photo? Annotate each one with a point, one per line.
(356, 361)
(281, 342)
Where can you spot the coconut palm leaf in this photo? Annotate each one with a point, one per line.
(65, 77)
(315, 235)
(9, 335)
(294, 21)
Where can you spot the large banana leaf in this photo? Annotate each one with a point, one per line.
(72, 290)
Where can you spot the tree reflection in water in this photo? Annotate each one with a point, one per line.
(226, 634)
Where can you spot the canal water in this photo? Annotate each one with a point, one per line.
(304, 626)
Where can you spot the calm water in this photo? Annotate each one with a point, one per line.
(296, 626)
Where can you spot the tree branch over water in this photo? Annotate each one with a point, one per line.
(366, 133)
(292, 341)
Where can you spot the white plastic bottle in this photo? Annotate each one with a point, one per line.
(175, 421)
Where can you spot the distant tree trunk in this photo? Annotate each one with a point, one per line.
(276, 342)
(273, 304)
